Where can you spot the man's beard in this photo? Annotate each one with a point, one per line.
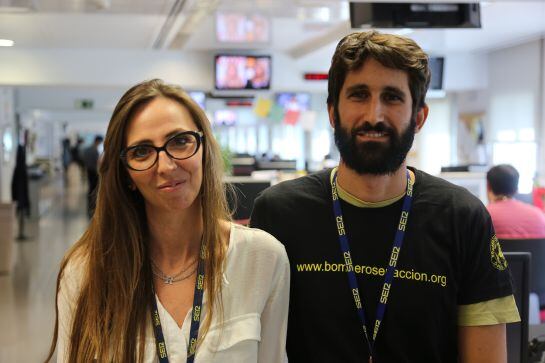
(374, 157)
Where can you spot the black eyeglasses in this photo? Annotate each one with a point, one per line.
(180, 146)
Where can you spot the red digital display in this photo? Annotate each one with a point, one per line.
(315, 76)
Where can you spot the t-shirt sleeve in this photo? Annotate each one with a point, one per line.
(484, 271)
(496, 311)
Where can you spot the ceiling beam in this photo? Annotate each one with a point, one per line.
(313, 44)
(168, 26)
(194, 18)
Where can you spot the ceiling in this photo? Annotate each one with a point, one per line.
(299, 27)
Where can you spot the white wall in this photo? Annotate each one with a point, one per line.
(97, 67)
(514, 82)
(432, 145)
(465, 72)
(192, 70)
(515, 108)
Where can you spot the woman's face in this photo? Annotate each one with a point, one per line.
(170, 185)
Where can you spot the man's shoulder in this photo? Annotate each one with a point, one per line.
(441, 191)
(306, 187)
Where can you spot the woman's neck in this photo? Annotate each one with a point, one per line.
(175, 238)
(372, 188)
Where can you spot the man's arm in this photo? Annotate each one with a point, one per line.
(482, 344)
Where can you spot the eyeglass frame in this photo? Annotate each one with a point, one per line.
(199, 136)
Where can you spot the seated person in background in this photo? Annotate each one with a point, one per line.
(512, 219)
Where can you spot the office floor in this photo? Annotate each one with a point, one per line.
(27, 295)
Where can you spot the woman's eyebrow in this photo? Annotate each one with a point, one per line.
(148, 141)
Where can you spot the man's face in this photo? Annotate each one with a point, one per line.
(374, 121)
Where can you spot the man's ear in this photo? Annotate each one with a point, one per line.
(331, 113)
(421, 117)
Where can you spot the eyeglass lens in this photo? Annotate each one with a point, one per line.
(143, 157)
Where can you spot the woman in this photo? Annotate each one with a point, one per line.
(131, 289)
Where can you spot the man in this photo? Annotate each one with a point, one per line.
(374, 244)
(512, 219)
(90, 160)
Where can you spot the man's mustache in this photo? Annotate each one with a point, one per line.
(378, 127)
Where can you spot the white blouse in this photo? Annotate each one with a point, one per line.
(255, 307)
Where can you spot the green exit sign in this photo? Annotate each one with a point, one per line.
(84, 104)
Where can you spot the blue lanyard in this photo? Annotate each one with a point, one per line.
(195, 318)
(345, 249)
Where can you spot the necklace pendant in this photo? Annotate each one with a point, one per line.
(169, 280)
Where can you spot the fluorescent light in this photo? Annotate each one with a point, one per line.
(6, 43)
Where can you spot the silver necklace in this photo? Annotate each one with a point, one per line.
(180, 276)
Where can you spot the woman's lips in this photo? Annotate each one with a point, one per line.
(167, 187)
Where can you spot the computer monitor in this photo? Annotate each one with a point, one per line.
(246, 191)
(517, 333)
(436, 70)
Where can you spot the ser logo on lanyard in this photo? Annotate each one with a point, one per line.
(195, 317)
(396, 248)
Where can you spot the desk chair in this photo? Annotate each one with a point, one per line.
(517, 333)
(537, 271)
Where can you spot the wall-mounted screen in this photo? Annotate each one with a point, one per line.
(436, 69)
(232, 27)
(225, 118)
(293, 101)
(237, 72)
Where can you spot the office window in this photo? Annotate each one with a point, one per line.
(522, 155)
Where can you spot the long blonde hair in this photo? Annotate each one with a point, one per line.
(113, 308)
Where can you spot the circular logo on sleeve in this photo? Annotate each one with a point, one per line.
(496, 255)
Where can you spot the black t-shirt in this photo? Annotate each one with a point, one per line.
(445, 261)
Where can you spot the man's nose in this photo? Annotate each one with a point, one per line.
(375, 111)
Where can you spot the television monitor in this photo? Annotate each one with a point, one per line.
(517, 333)
(293, 101)
(243, 72)
(233, 27)
(225, 118)
(415, 15)
(199, 97)
(436, 69)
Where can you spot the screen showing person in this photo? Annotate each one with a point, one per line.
(225, 118)
(243, 72)
(257, 29)
(232, 27)
(230, 72)
(258, 72)
(293, 101)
